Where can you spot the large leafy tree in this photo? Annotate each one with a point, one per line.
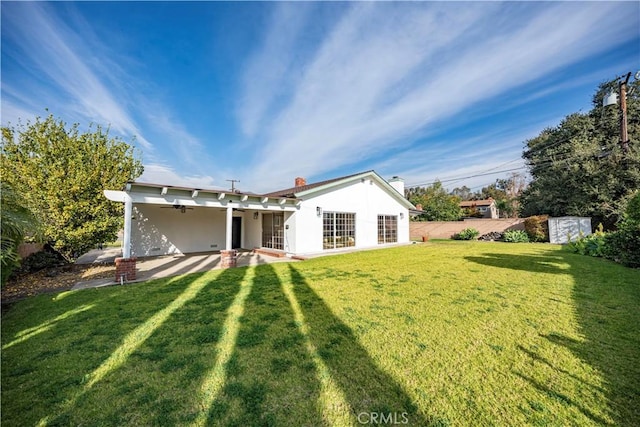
(60, 172)
(579, 167)
(436, 203)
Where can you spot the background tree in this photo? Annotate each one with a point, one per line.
(464, 193)
(579, 168)
(506, 193)
(436, 203)
(16, 221)
(492, 191)
(61, 172)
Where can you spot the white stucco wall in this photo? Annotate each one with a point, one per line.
(162, 230)
(159, 231)
(366, 199)
(252, 230)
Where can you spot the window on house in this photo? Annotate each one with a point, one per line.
(482, 209)
(338, 230)
(387, 229)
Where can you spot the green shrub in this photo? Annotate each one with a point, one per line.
(633, 208)
(591, 245)
(623, 245)
(472, 212)
(9, 261)
(467, 234)
(46, 258)
(537, 228)
(516, 236)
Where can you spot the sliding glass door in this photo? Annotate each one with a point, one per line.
(272, 230)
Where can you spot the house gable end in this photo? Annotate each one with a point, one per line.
(324, 187)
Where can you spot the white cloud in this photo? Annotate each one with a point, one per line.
(55, 50)
(161, 174)
(12, 114)
(387, 71)
(184, 146)
(269, 70)
(456, 160)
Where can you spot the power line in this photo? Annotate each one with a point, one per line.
(233, 183)
(563, 156)
(467, 177)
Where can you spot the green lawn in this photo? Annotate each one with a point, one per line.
(445, 333)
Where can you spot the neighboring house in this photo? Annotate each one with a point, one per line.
(486, 208)
(356, 211)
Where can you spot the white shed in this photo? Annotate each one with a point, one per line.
(567, 229)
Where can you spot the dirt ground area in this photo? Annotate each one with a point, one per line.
(53, 279)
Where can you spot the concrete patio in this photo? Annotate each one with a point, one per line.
(173, 265)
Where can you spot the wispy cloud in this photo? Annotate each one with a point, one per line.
(162, 174)
(183, 145)
(57, 52)
(463, 157)
(272, 62)
(68, 64)
(12, 113)
(386, 72)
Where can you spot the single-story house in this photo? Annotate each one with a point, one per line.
(357, 211)
(486, 208)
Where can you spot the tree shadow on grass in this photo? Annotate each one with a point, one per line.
(533, 263)
(165, 365)
(366, 387)
(606, 297)
(41, 373)
(270, 376)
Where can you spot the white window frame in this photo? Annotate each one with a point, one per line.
(387, 229)
(338, 230)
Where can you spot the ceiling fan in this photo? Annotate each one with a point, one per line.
(182, 208)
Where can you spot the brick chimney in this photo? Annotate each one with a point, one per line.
(300, 182)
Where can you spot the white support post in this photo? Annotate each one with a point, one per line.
(229, 228)
(128, 212)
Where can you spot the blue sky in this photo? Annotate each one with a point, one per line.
(267, 91)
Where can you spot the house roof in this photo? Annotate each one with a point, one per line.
(292, 194)
(292, 191)
(472, 203)
(307, 189)
(158, 194)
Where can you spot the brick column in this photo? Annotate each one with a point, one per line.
(126, 269)
(228, 259)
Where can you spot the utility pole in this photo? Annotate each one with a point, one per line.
(624, 134)
(233, 182)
